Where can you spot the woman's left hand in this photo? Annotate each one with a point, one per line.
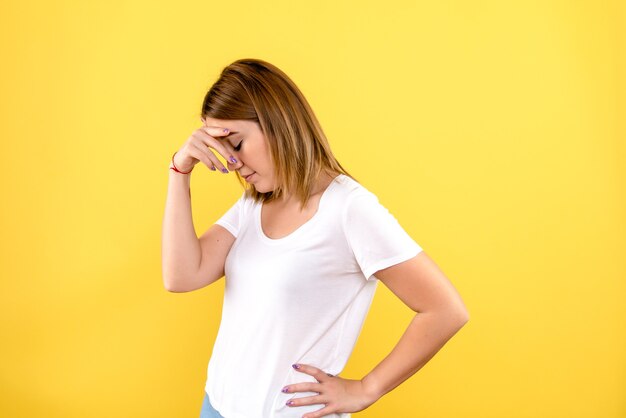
(339, 394)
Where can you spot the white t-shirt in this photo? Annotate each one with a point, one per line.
(302, 298)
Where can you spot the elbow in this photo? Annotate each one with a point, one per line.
(171, 289)
(465, 318)
(460, 313)
(452, 318)
(171, 285)
(456, 318)
(462, 317)
(168, 286)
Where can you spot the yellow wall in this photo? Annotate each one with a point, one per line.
(493, 130)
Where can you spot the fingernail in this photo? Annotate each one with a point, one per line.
(289, 403)
(213, 168)
(232, 160)
(285, 389)
(224, 170)
(225, 130)
(295, 366)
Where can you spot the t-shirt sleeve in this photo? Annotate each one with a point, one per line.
(231, 220)
(376, 238)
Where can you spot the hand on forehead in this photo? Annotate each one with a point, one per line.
(231, 125)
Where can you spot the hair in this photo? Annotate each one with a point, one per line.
(255, 90)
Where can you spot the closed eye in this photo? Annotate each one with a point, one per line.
(238, 147)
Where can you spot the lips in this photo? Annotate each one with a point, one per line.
(248, 176)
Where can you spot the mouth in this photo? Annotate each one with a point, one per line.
(247, 178)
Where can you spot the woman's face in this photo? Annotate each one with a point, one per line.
(251, 151)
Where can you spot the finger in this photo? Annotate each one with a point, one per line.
(327, 410)
(305, 368)
(318, 374)
(216, 130)
(221, 134)
(204, 155)
(308, 400)
(219, 144)
(206, 142)
(303, 387)
(233, 167)
(226, 143)
(230, 150)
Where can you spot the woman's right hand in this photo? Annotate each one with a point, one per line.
(198, 148)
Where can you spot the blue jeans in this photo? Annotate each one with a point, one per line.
(207, 409)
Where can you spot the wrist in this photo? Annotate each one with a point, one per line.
(176, 169)
(371, 389)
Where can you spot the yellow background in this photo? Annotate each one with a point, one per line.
(493, 130)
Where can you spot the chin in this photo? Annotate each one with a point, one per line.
(262, 186)
(262, 189)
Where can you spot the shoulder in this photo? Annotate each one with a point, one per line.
(351, 195)
(354, 201)
(347, 189)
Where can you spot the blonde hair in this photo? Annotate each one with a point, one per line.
(255, 90)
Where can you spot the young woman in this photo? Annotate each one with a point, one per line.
(302, 251)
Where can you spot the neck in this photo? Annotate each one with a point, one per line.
(320, 185)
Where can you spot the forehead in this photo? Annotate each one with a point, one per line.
(232, 125)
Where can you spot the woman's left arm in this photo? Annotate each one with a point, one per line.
(424, 288)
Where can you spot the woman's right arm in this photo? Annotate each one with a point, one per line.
(190, 263)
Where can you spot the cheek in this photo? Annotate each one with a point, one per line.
(258, 159)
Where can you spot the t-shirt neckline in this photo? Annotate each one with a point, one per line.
(302, 227)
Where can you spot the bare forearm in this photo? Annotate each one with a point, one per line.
(427, 333)
(181, 251)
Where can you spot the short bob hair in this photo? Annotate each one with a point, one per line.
(255, 90)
